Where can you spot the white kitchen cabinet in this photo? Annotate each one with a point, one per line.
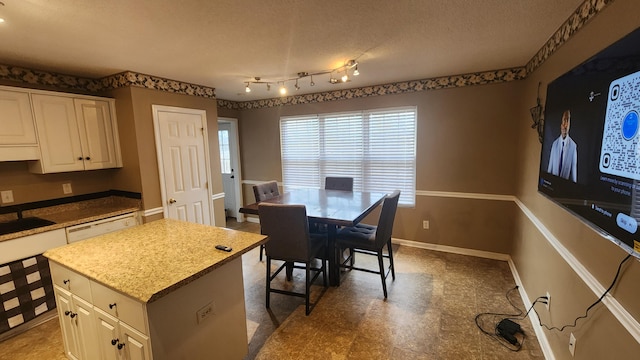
(75, 133)
(18, 139)
(76, 314)
(97, 322)
(119, 341)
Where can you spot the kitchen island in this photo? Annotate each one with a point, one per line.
(160, 290)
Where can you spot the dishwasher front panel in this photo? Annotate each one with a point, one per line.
(104, 226)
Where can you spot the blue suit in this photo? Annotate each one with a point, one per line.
(566, 168)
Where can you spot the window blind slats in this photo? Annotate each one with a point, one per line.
(375, 147)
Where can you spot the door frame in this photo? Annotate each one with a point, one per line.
(156, 129)
(235, 153)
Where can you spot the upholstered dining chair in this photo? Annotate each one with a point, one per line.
(338, 183)
(369, 239)
(289, 240)
(265, 191)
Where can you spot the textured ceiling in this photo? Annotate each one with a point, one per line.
(224, 43)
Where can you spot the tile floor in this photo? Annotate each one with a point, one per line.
(429, 314)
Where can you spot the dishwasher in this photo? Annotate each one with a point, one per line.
(100, 227)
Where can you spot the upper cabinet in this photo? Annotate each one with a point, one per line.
(75, 133)
(18, 140)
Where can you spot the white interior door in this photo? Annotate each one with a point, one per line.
(183, 163)
(227, 168)
(230, 163)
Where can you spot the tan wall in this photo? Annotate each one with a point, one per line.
(540, 266)
(136, 107)
(28, 187)
(465, 145)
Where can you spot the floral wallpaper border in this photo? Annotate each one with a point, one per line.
(445, 82)
(585, 12)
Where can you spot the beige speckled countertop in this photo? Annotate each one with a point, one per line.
(74, 213)
(149, 261)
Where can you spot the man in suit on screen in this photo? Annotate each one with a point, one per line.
(563, 160)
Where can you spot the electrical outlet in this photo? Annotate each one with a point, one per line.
(425, 224)
(548, 301)
(572, 344)
(7, 196)
(66, 188)
(204, 312)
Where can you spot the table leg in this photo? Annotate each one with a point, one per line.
(334, 262)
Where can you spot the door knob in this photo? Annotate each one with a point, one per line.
(171, 201)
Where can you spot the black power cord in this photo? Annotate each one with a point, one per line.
(586, 313)
(505, 331)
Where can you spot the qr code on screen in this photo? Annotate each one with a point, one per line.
(620, 154)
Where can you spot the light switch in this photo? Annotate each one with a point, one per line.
(7, 196)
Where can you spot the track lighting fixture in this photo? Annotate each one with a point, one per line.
(351, 65)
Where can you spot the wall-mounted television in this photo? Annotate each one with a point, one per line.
(590, 158)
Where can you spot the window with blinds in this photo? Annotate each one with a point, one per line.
(375, 147)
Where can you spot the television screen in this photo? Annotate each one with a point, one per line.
(590, 158)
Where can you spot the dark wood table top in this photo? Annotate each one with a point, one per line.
(335, 207)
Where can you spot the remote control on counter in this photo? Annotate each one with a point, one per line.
(223, 248)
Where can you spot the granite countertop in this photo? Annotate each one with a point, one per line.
(74, 213)
(147, 262)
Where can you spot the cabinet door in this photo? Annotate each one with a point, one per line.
(96, 134)
(67, 323)
(86, 329)
(107, 338)
(58, 135)
(18, 139)
(136, 344)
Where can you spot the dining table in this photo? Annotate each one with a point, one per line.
(334, 208)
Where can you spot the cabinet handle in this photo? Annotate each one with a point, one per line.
(114, 341)
(73, 315)
(111, 306)
(87, 158)
(66, 313)
(120, 346)
(172, 201)
(79, 157)
(66, 281)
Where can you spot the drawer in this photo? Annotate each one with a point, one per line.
(70, 280)
(118, 305)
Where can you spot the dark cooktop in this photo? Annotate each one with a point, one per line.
(27, 223)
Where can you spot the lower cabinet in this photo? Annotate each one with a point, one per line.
(203, 319)
(117, 340)
(77, 324)
(91, 319)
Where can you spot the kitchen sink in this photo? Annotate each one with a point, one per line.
(27, 223)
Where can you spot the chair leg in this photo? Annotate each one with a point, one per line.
(382, 272)
(352, 255)
(307, 286)
(393, 268)
(261, 251)
(268, 287)
(324, 272)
